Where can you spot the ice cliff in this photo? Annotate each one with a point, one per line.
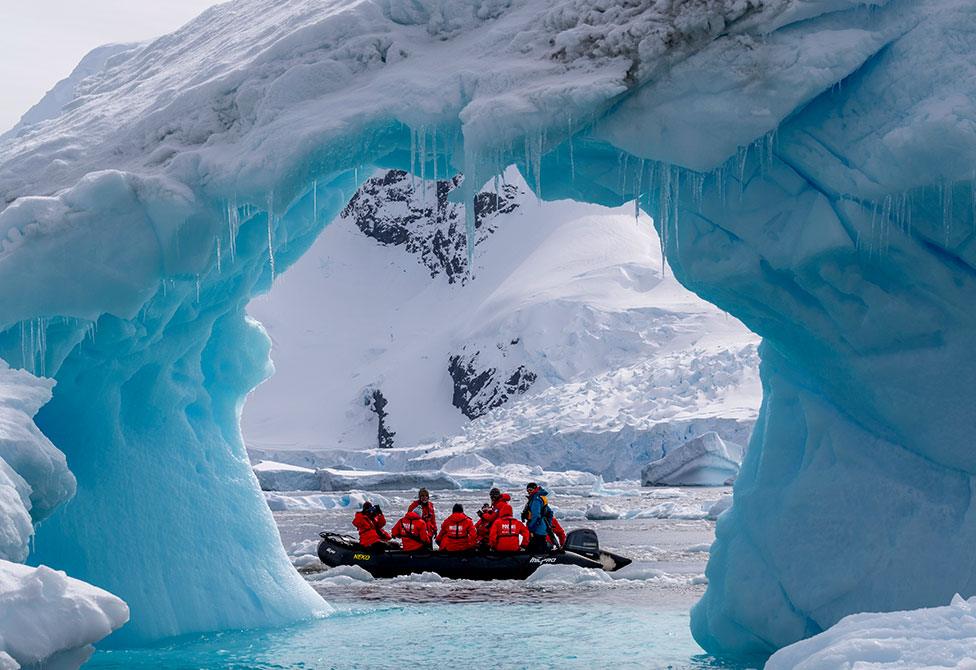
(808, 164)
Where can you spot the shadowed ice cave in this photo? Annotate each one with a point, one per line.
(809, 169)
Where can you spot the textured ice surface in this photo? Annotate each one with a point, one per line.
(937, 637)
(50, 620)
(705, 460)
(196, 168)
(34, 477)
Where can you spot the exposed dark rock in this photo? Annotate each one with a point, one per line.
(377, 404)
(396, 209)
(477, 391)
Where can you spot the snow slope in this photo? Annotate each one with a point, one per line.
(808, 164)
(613, 353)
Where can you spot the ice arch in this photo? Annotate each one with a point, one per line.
(808, 162)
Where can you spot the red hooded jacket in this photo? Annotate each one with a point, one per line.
(499, 509)
(370, 528)
(506, 533)
(558, 532)
(427, 514)
(412, 530)
(457, 533)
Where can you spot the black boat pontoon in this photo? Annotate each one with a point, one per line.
(582, 549)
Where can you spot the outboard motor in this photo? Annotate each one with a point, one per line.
(584, 542)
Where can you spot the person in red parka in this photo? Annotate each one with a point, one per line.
(457, 532)
(412, 532)
(557, 534)
(508, 534)
(483, 526)
(369, 522)
(500, 507)
(426, 510)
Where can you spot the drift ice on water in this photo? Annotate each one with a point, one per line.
(809, 169)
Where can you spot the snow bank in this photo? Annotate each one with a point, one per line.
(706, 460)
(937, 637)
(49, 619)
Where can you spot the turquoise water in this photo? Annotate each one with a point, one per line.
(640, 622)
(471, 635)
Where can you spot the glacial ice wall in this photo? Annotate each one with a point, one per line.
(809, 167)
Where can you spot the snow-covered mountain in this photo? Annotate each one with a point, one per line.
(565, 345)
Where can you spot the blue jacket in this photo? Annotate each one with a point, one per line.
(536, 523)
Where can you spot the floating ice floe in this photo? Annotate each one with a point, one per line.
(936, 637)
(465, 471)
(343, 575)
(50, 620)
(601, 512)
(719, 506)
(706, 460)
(300, 501)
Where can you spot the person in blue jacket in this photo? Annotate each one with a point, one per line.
(536, 516)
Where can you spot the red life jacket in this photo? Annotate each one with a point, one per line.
(412, 530)
(427, 514)
(370, 528)
(509, 534)
(457, 533)
(558, 531)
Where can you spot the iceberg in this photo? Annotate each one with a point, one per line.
(702, 461)
(808, 167)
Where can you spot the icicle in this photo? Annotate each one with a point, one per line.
(422, 154)
(233, 223)
(637, 197)
(946, 189)
(271, 222)
(572, 162)
(413, 158)
(433, 142)
(218, 254)
(315, 200)
(198, 286)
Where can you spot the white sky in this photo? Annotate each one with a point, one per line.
(41, 41)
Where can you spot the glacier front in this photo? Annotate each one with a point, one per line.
(808, 164)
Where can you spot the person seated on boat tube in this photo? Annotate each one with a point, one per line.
(426, 510)
(508, 534)
(412, 532)
(483, 525)
(457, 532)
(500, 507)
(557, 536)
(369, 521)
(538, 517)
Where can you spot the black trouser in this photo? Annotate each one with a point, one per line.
(538, 544)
